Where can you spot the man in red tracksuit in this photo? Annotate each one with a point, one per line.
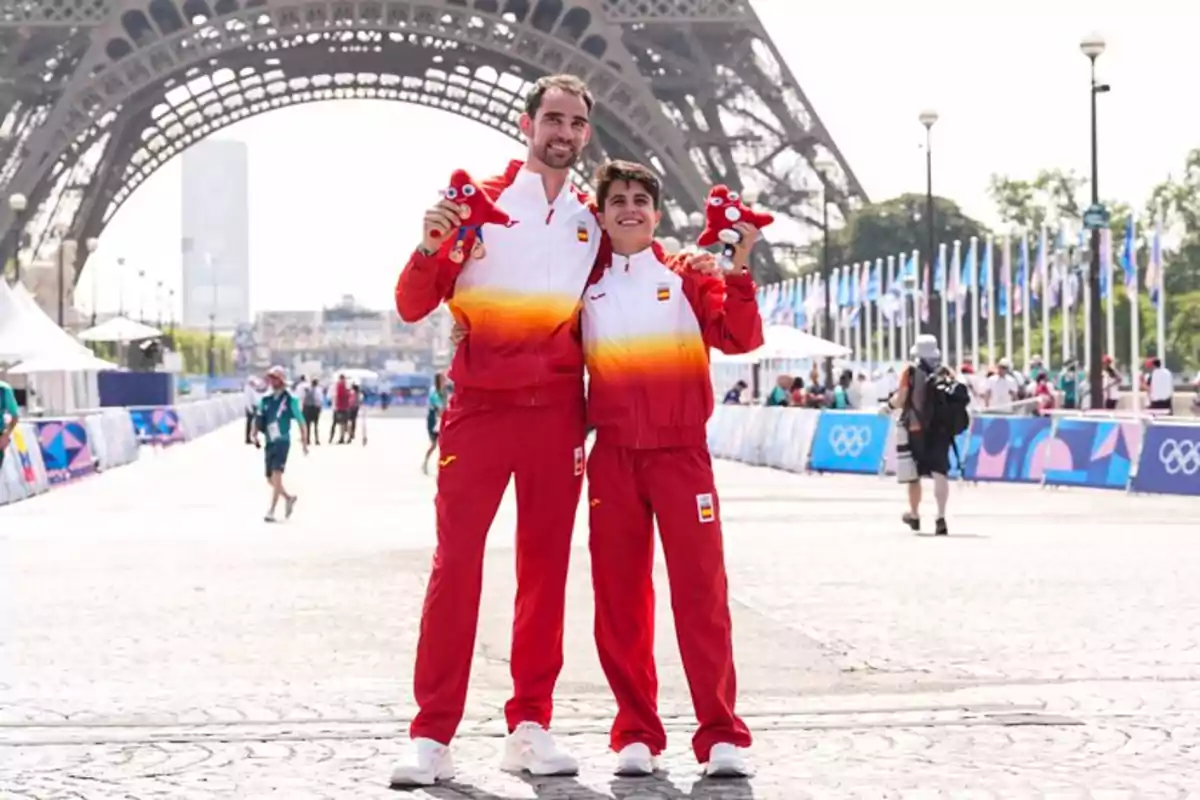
(648, 323)
(517, 410)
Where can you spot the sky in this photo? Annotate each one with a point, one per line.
(337, 189)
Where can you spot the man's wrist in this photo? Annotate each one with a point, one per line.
(425, 250)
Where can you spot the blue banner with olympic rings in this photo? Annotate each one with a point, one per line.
(1170, 462)
(848, 441)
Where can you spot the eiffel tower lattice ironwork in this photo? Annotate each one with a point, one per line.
(96, 95)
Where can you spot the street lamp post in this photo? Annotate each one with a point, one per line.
(927, 118)
(141, 290)
(826, 276)
(18, 203)
(93, 243)
(1092, 46)
(67, 251)
(212, 317)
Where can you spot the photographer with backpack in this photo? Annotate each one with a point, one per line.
(932, 403)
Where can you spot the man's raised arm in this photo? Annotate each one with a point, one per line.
(428, 277)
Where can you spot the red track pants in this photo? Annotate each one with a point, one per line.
(481, 449)
(627, 490)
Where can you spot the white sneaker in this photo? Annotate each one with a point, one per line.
(530, 748)
(727, 761)
(635, 761)
(427, 763)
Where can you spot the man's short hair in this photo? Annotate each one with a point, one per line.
(612, 171)
(567, 83)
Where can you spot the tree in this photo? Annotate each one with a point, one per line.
(192, 347)
(1052, 196)
(898, 226)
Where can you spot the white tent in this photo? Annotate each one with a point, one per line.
(120, 329)
(62, 362)
(786, 343)
(26, 333)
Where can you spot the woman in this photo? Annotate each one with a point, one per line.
(437, 404)
(1044, 396)
(1112, 384)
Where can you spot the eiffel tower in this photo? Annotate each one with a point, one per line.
(95, 95)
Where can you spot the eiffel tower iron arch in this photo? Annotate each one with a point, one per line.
(695, 88)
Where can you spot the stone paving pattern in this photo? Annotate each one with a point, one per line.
(158, 640)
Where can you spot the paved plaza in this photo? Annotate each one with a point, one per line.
(158, 640)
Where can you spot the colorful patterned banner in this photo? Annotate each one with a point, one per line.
(157, 425)
(65, 450)
(1010, 449)
(1096, 453)
(24, 459)
(1170, 461)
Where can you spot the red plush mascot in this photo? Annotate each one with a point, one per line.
(475, 209)
(723, 210)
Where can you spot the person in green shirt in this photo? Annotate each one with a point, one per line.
(437, 407)
(276, 413)
(10, 414)
(1068, 384)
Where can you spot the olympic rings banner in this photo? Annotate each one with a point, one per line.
(1084, 451)
(1170, 462)
(849, 441)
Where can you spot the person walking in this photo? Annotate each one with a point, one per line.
(276, 413)
(341, 407)
(433, 418)
(314, 399)
(648, 323)
(933, 410)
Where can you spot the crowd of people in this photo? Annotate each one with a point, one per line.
(1000, 389)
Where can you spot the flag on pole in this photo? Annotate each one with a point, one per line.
(1018, 303)
(1154, 269)
(925, 297)
(1005, 278)
(985, 279)
(1040, 269)
(1129, 261)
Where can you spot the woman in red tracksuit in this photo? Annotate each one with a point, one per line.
(648, 323)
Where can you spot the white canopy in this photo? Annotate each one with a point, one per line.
(358, 375)
(26, 331)
(785, 342)
(62, 362)
(119, 329)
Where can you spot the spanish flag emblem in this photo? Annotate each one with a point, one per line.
(705, 508)
(664, 292)
(581, 233)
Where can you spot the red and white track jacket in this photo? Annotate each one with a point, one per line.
(519, 304)
(648, 322)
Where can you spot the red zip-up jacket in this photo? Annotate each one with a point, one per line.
(648, 324)
(519, 303)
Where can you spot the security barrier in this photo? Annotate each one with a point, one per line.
(48, 452)
(1100, 451)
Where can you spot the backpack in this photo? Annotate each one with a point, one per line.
(949, 398)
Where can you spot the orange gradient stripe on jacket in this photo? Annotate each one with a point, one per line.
(516, 316)
(647, 358)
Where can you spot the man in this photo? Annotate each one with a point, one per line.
(10, 415)
(647, 329)
(276, 413)
(517, 409)
(314, 399)
(925, 430)
(1001, 390)
(1160, 387)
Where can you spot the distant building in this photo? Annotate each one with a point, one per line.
(216, 234)
(348, 335)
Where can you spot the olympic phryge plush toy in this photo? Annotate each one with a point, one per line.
(475, 209)
(723, 210)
